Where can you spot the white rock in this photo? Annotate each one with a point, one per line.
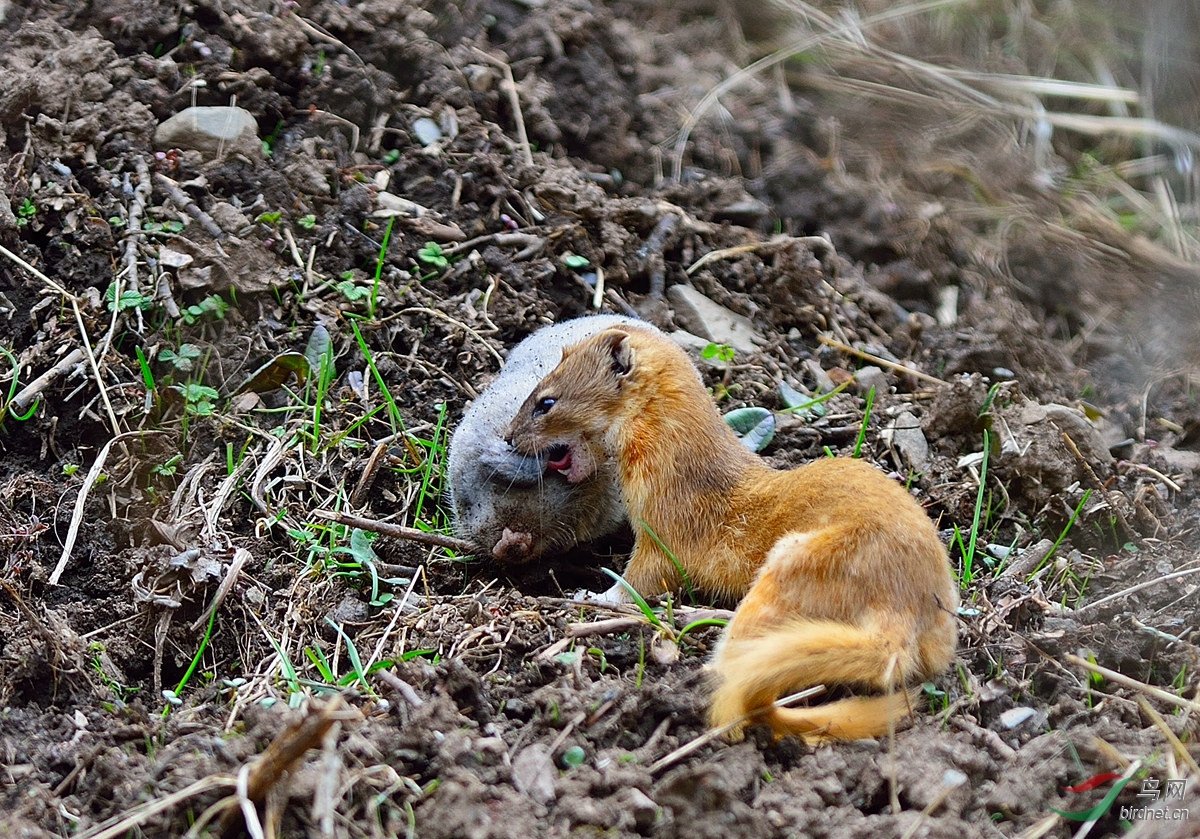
(214, 131)
(533, 773)
(1014, 717)
(909, 442)
(712, 321)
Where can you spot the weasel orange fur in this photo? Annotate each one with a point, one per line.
(841, 575)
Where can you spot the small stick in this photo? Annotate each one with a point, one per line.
(32, 390)
(882, 362)
(246, 806)
(240, 555)
(141, 194)
(1141, 467)
(1096, 482)
(400, 686)
(991, 738)
(1134, 589)
(459, 324)
(708, 736)
(619, 302)
(87, 344)
(398, 531)
(1171, 737)
(397, 611)
(611, 626)
(816, 242)
(598, 293)
(367, 478)
(1126, 681)
(123, 825)
(652, 253)
(509, 86)
(283, 753)
(525, 240)
(184, 202)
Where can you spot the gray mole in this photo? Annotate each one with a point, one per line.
(508, 503)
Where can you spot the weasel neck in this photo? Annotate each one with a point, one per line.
(679, 465)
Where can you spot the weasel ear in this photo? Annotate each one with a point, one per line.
(617, 342)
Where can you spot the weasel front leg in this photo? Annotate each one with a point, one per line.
(649, 571)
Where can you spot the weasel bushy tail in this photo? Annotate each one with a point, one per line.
(756, 670)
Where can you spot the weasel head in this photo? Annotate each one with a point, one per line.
(570, 413)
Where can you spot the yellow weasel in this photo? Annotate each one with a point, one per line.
(841, 575)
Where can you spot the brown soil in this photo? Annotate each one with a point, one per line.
(490, 706)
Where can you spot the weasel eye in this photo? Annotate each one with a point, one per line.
(543, 406)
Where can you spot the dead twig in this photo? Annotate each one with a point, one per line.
(1171, 737)
(612, 626)
(651, 253)
(127, 822)
(1104, 601)
(770, 246)
(1141, 467)
(435, 313)
(141, 194)
(83, 334)
(400, 686)
(1097, 484)
(397, 531)
(367, 478)
(281, 756)
(708, 736)
(31, 391)
(1126, 681)
(240, 555)
(509, 86)
(529, 243)
(882, 362)
(184, 202)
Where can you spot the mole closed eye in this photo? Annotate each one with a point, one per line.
(543, 406)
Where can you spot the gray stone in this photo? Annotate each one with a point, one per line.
(712, 321)
(214, 131)
(695, 345)
(533, 773)
(909, 443)
(869, 377)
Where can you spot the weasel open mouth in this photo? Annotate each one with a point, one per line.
(559, 458)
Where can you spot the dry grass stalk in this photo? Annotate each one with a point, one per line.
(881, 362)
(83, 334)
(129, 822)
(1171, 737)
(81, 501)
(715, 733)
(1126, 681)
(282, 755)
(1104, 601)
(397, 531)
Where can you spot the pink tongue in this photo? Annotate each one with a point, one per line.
(563, 462)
